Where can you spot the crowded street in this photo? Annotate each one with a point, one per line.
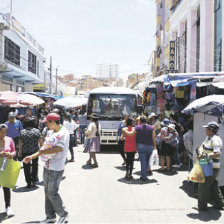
(111, 111)
(102, 195)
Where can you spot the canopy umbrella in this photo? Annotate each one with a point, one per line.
(70, 102)
(9, 97)
(30, 100)
(212, 104)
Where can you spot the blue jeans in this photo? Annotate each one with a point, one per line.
(177, 155)
(82, 132)
(53, 201)
(144, 152)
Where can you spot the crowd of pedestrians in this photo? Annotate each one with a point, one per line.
(49, 135)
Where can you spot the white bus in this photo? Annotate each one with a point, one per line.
(111, 104)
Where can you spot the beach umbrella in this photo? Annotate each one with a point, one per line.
(30, 100)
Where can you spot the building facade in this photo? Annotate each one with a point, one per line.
(21, 57)
(107, 71)
(163, 14)
(196, 35)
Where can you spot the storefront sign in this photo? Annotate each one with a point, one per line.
(172, 55)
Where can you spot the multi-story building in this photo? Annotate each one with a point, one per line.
(196, 35)
(107, 71)
(21, 57)
(163, 14)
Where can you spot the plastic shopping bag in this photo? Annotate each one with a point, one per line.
(207, 166)
(154, 158)
(10, 173)
(196, 174)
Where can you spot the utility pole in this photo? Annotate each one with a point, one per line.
(50, 75)
(11, 13)
(56, 89)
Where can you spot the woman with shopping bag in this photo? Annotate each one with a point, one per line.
(7, 150)
(211, 149)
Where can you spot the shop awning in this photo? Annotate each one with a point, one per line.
(22, 75)
(181, 82)
(203, 84)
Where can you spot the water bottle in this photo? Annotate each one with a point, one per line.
(3, 164)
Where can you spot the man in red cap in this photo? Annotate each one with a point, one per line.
(54, 168)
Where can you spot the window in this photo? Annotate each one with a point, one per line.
(38, 71)
(185, 48)
(198, 41)
(12, 52)
(218, 36)
(32, 62)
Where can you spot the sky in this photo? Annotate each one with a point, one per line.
(79, 34)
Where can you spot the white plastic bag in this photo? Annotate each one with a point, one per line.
(154, 158)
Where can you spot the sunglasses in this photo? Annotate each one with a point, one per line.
(49, 121)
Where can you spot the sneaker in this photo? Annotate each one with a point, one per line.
(9, 212)
(176, 166)
(48, 220)
(63, 219)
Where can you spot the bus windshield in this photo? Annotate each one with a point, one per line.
(112, 106)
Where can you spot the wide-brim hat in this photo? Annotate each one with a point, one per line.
(94, 115)
(165, 122)
(172, 126)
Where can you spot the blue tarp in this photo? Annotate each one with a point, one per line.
(43, 95)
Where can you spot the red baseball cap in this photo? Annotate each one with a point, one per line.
(51, 117)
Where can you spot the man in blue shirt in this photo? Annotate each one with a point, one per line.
(14, 128)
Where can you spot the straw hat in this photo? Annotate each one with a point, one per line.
(94, 115)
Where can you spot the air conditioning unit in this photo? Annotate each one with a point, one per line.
(4, 26)
(3, 66)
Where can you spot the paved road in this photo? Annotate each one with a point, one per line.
(101, 195)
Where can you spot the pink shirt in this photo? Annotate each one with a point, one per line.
(9, 146)
(130, 143)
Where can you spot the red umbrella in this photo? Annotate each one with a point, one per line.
(11, 98)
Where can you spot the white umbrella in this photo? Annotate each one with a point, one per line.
(31, 100)
(212, 103)
(69, 102)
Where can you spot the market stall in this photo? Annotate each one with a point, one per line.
(204, 110)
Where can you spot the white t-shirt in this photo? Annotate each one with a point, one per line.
(213, 144)
(70, 126)
(57, 162)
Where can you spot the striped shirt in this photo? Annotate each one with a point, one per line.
(213, 145)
